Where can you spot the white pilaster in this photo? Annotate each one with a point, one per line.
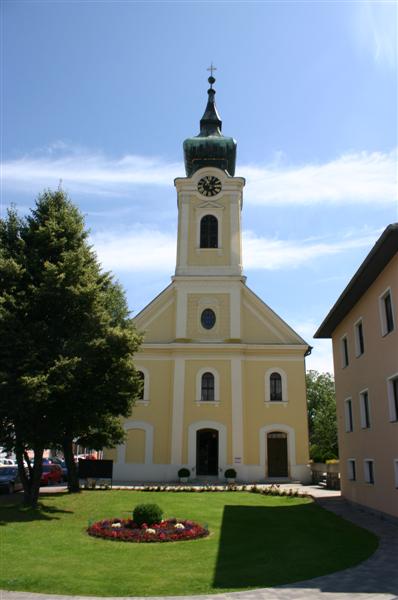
(237, 412)
(236, 249)
(182, 258)
(178, 411)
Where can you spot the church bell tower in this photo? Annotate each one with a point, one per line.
(209, 202)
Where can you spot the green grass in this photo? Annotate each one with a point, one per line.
(255, 541)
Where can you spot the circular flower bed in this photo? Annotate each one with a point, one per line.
(125, 530)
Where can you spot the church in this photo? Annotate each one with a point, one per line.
(223, 375)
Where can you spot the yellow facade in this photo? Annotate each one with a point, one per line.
(242, 352)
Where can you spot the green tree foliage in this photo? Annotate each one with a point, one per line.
(67, 363)
(322, 420)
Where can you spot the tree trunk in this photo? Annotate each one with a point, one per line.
(31, 479)
(73, 478)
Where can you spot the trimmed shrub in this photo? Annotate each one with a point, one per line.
(230, 474)
(184, 472)
(147, 513)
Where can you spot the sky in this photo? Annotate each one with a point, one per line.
(102, 94)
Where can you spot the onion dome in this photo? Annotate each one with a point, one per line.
(210, 148)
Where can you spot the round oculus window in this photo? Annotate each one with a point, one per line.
(208, 318)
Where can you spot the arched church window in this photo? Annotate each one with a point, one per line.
(209, 232)
(275, 384)
(141, 377)
(207, 392)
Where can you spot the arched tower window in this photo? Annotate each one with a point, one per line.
(275, 384)
(209, 232)
(207, 387)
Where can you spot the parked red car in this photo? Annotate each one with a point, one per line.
(51, 474)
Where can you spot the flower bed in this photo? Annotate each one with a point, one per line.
(125, 530)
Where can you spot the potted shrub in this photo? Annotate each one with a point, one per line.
(230, 475)
(183, 474)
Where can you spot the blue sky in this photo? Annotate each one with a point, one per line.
(102, 95)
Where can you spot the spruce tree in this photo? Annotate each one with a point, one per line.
(67, 365)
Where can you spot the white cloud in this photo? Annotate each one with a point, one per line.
(273, 254)
(86, 172)
(357, 178)
(353, 178)
(375, 30)
(149, 249)
(140, 249)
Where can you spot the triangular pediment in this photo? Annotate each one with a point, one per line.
(261, 325)
(157, 319)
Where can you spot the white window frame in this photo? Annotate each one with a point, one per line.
(345, 358)
(396, 472)
(216, 376)
(283, 375)
(382, 312)
(362, 411)
(145, 399)
(358, 352)
(349, 426)
(351, 469)
(390, 396)
(366, 471)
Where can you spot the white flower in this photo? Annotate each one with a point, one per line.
(179, 526)
(149, 530)
(116, 524)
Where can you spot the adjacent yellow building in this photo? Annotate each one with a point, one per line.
(224, 376)
(363, 325)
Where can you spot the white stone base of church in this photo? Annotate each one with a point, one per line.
(169, 473)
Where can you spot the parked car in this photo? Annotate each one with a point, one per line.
(62, 464)
(10, 481)
(51, 474)
(7, 462)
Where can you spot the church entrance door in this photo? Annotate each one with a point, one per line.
(207, 452)
(277, 454)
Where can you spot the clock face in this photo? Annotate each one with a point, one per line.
(209, 186)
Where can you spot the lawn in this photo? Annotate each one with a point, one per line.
(255, 541)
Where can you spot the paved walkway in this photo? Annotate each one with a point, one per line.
(373, 579)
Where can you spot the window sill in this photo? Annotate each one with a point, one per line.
(141, 403)
(219, 251)
(386, 333)
(269, 403)
(207, 403)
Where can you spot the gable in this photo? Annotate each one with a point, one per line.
(157, 319)
(261, 325)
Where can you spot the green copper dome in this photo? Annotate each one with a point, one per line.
(210, 148)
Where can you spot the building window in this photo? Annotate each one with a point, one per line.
(141, 377)
(209, 232)
(369, 471)
(143, 394)
(359, 342)
(386, 313)
(392, 392)
(208, 318)
(349, 424)
(344, 352)
(351, 469)
(207, 389)
(275, 385)
(364, 409)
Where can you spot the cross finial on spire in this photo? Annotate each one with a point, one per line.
(212, 68)
(211, 79)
